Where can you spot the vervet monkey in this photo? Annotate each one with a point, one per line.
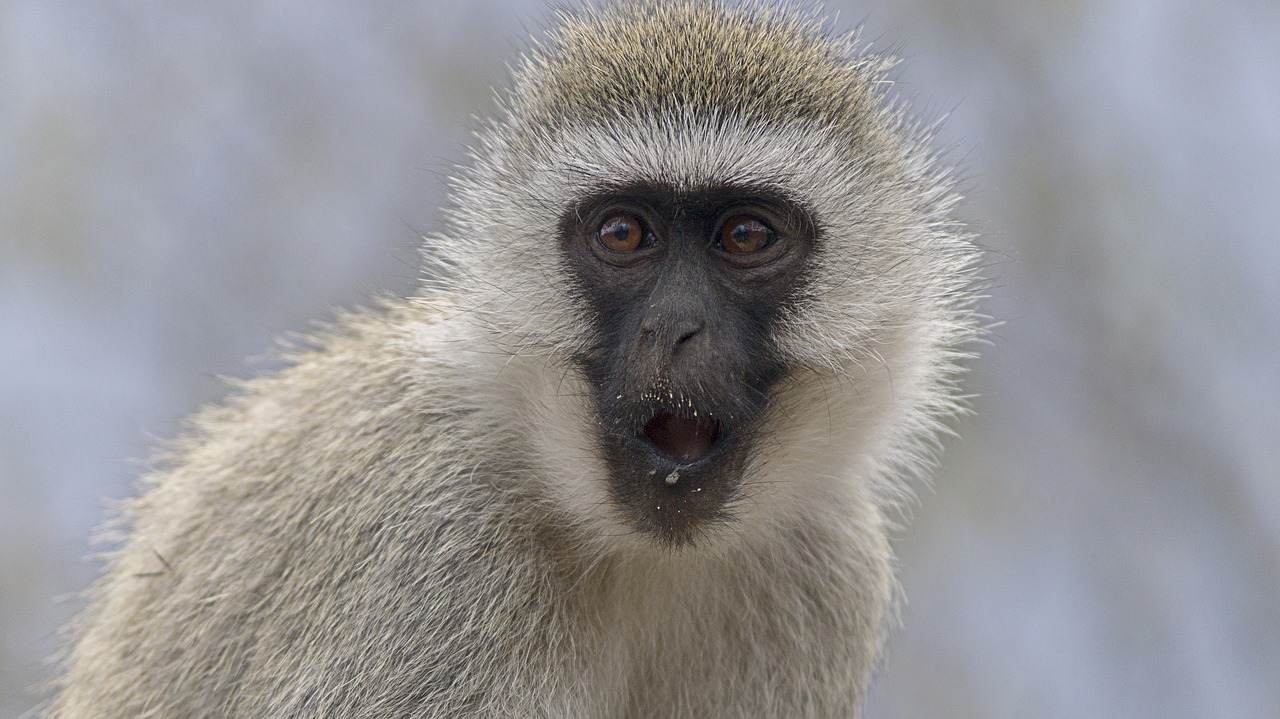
(631, 449)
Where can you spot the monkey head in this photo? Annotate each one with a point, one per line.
(685, 207)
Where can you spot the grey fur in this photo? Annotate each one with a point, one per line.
(408, 522)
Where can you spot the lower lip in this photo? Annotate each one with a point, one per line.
(664, 462)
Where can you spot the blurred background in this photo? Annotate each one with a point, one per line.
(182, 182)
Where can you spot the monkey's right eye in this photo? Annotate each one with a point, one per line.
(621, 233)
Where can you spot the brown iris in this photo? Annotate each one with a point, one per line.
(743, 235)
(621, 233)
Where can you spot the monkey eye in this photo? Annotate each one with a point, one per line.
(621, 233)
(744, 235)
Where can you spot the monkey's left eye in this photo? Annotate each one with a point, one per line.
(744, 234)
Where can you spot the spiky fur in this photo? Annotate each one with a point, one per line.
(409, 521)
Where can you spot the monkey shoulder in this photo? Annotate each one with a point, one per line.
(321, 519)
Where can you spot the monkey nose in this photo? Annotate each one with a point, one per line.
(672, 334)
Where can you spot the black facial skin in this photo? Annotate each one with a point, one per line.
(683, 328)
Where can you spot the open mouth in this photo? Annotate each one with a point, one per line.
(681, 437)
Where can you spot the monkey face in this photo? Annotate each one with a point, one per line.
(684, 288)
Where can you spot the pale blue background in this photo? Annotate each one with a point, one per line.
(181, 182)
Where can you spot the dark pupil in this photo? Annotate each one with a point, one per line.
(621, 232)
(741, 235)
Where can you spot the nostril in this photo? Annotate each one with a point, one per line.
(670, 335)
(688, 335)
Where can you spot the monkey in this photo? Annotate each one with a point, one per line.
(634, 448)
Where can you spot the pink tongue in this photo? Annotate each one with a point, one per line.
(682, 438)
